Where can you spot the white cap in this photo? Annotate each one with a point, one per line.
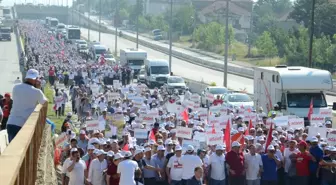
(332, 149)
(96, 132)
(241, 129)
(127, 154)
(82, 132)
(178, 148)
(270, 147)
(32, 74)
(168, 142)
(69, 114)
(96, 151)
(73, 150)
(110, 153)
(91, 147)
(161, 147)
(94, 140)
(100, 152)
(328, 122)
(235, 144)
(118, 156)
(138, 151)
(190, 148)
(219, 147)
(151, 142)
(148, 149)
(314, 139)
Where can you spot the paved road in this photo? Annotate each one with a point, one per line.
(179, 67)
(9, 65)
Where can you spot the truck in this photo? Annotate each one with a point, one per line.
(73, 33)
(156, 72)
(6, 12)
(293, 88)
(5, 33)
(134, 58)
(53, 22)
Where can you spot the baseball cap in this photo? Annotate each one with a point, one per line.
(303, 143)
(138, 151)
(270, 147)
(178, 148)
(91, 147)
(100, 152)
(235, 144)
(82, 132)
(32, 74)
(219, 147)
(161, 147)
(148, 149)
(118, 156)
(190, 148)
(110, 153)
(127, 154)
(313, 139)
(74, 150)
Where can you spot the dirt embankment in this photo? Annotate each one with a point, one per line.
(46, 173)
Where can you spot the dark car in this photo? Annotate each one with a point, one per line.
(5, 33)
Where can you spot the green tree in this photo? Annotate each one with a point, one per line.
(184, 19)
(296, 50)
(266, 45)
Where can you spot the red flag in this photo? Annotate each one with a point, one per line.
(125, 148)
(269, 137)
(152, 136)
(185, 115)
(240, 138)
(213, 129)
(227, 136)
(247, 132)
(311, 110)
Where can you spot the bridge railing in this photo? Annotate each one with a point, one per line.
(18, 163)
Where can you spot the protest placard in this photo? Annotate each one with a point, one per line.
(295, 123)
(193, 143)
(281, 121)
(95, 89)
(183, 132)
(203, 113)
(200, 136)
(331, 138)
(141, 133)
(316, 119)
(215, 139)
(314, 131)
(59, 99)
(116, 84)
(92, 125)
(60, 140)
(137, 101)
(195, 98)
(326, 112)
(113, 96)
(148, 119)
(250, 116)
(210, 97)
(188, 104)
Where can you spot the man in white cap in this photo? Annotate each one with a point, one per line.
(217, 166)
(253, 165)
(174, 168)
(270, 164)
(189, 162)
(159, 161)
(25, 97)
(75, 167)
(127, 169)
(97, 169)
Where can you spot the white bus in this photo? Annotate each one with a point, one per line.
(73, 33)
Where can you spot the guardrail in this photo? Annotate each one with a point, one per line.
(18, 163)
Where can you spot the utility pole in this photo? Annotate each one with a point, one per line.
(67, 12)
(311, 39)
(100, 10)
(170, 36)
(116, 14)
(72, 16)
(89, 25)
(250, 34)
(226, 43)
(137, 25)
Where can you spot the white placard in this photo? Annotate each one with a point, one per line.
(113, 96)
(326, 112)
(210, 97)
(140, 133)
(200, 136)
(281, 121)
(195, 144)
(316, 119)
(215, 139)
(116, 84)
(92, 125)
(203, 113)
(250, 116)
(184, 132)
(59, 99)
(148, 119)
(295, 123)
(331, 139)
(314, 131)
(95, 89)
(188, 104)
(138, 101)
(195, 98)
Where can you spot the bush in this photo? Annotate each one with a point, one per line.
(213, 84)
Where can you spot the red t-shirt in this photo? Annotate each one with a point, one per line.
(302, 164)
(51, 72)
(236, 162)
(112, 170)
(217, 102)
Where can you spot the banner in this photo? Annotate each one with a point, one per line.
(184, 132)
(140, 133)
(295, 123)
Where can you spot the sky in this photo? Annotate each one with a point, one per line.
(52, 2)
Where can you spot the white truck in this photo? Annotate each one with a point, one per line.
(134, 58)
(292, 88)
(156, 72)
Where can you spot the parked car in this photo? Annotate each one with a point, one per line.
(175, 83)
(236, 100)
(215, 90)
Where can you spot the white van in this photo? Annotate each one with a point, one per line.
(157, 72)
(291, 87)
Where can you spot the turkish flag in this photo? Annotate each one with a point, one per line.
(269, 137)
(152, 136)
(125, 148)
(185, 115)
(247, 132)
(311, 109)
(227, 136)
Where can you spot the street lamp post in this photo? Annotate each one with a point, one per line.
(137, 24)
(226, 43)
(100, 10)
(116, 27)
(170, 36)
(89, 25)
(72, 15)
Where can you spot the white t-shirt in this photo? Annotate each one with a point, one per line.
(175, 166)
(126, 169)
(96, 172)
(189, 163)
(287, 153)
(253, 163)
(25, 98)
(217, 166)
(76, 176)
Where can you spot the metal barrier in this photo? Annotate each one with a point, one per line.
(18, 163)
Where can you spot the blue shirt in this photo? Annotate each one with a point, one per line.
(270, 168)
(317, 152)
